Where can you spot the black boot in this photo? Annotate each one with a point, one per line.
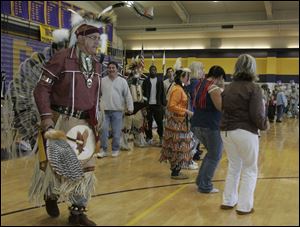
(51, 206)
(175, 171)
(176, 175)
(197, 155)
(78, 218)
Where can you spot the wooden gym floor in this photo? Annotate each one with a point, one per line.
(135, 189)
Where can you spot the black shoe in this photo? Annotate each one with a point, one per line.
(197, 155)
(227, 207)
(51, 207)
(80, 220)
(245, 212)
(180, 176)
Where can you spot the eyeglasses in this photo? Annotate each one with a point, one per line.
(94, 38)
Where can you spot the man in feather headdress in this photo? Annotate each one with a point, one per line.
(67, 97)
(133, 124)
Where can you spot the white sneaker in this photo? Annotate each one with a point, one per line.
(149, 142)
(102, 154)
(115, 153)
(160, 142)
(193, 165)
(214, 190)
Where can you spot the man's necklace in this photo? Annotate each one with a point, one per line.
(87, 68)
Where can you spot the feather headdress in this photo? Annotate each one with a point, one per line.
(135, 63)
(60, 38)
(60, 35)
(178, 66)
(82, 24)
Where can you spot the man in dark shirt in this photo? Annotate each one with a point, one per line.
(153, 91)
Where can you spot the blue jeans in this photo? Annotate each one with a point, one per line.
(280, 109)
(212, 141)
(115, 119)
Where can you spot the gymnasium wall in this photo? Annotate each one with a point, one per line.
(273, 65)
(14, 50)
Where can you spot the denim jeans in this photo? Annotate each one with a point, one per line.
(115, 119)
(212, 141)
(280, 109)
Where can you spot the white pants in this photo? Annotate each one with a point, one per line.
(242, 148)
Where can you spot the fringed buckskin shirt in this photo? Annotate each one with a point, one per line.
(68, 87)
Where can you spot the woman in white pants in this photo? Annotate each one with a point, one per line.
(243, 115)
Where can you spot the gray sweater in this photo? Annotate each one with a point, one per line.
(243, 107)
(116, 94)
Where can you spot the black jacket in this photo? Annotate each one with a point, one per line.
(160, 94)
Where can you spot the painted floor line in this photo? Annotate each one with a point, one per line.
(155, 206)
(147, 188)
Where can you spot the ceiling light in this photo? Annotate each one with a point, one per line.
(245, 47)
(293, 46)
(170, 48)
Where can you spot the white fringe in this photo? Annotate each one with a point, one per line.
(85, 187)
(43, 183)
(47, 183)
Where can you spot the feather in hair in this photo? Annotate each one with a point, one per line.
(107, 9)
(177, 65)
(75, 18)
(103, 38)
(107, 15)
(60, 35)
(108, 18)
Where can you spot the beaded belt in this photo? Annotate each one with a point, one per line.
(67, 111)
